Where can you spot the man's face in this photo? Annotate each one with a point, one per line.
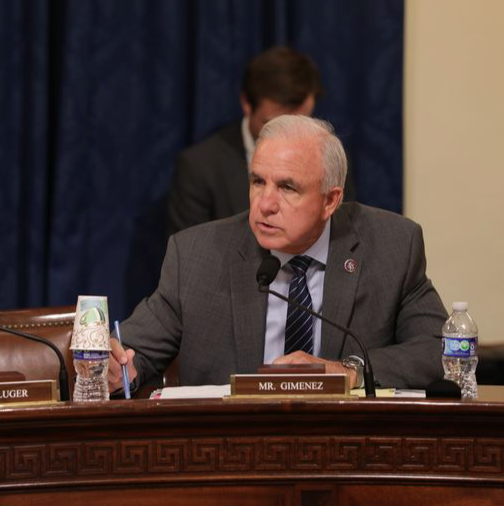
(287, 208)
(267, 109)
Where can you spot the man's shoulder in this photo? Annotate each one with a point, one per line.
(362, 212)
(222, 143)
(215, 245)
(371, 222)
(216, 233)
(388, 241)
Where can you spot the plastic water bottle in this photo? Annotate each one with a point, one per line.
(91, 368)
(460, 350)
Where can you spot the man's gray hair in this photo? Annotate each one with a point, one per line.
(334, 160)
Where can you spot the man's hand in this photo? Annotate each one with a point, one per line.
(300, 357)
(119, 357)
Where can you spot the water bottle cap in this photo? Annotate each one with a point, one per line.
(460, 306)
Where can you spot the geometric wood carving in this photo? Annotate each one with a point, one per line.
(176, 459)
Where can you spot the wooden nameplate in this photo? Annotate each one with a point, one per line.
(28, 391)
(290, 385)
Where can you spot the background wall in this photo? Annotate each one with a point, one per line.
(454, 149)
(97, 99)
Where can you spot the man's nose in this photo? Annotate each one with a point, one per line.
(268, 203)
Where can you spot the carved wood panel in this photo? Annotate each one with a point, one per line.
(190, 458)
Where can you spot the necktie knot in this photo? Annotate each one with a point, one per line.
(300, 264)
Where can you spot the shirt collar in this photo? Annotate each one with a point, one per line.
(248, 140)
(319, 251)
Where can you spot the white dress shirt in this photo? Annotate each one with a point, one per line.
(248, 140)
(277, 309)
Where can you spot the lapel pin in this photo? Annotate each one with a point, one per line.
(350, 265)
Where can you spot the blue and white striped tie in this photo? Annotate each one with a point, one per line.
(299, 325)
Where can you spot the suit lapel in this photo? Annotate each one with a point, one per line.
(340, 284)
(248, 304)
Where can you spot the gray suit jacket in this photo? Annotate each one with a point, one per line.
(208, 310)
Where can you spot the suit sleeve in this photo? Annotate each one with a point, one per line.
(154, 330)
(414, 360)
(190, 199)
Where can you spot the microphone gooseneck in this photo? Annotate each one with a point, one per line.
(266, 274)
(63, 373)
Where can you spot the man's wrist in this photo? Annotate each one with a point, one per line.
(357, 364)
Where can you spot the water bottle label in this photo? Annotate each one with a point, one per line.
(461, 347)
(90, 355)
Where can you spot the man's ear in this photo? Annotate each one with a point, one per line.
(245, 105)
(334, 198)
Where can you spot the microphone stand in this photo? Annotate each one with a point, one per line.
(369, 383)
(63, 373)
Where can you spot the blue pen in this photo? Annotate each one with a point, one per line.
(126, 381)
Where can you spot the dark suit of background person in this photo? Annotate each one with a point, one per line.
(207, 309)
(210, 180)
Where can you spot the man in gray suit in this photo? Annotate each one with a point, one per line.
(364, 268)
(210, 179)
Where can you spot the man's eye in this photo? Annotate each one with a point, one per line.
(288, 188)
(256, 182)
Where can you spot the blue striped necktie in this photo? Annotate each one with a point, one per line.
(299, 325)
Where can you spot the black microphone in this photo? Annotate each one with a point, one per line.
(267, 273)
(268, 270)
(63, 373)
